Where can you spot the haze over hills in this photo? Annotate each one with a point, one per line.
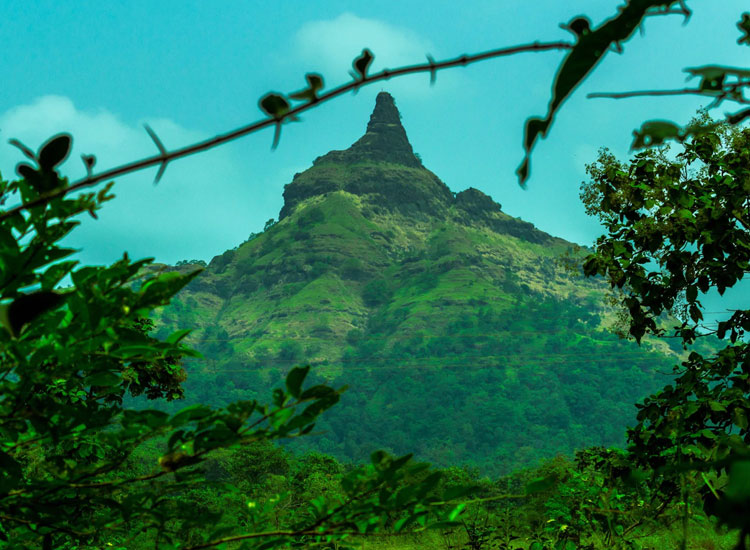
(461, 333)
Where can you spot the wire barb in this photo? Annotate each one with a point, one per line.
(25, 150)
(162, 150)
(88, 161)
(433, 69)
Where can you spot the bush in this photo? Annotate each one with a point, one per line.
(290, 350)
(376, 292)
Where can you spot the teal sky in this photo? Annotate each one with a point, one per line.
(193, 69)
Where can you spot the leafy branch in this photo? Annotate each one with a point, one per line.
(654, 93)
(279, 111)
(590, 48)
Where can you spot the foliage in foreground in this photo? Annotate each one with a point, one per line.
(678, 228)
(69, 356)
(595, 501)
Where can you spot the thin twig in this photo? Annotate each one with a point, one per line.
(283, 533)
(164, 157)
(644, 93)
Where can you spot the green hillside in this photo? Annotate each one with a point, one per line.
(461, 332)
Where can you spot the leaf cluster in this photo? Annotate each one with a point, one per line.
(678, 228)
(75, 340)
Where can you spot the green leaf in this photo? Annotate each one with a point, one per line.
(279, 418)
(27, 172)
(691, 293)
(738, 488)
(744, 26)
(23, 148)
(103, 379)
(177, 437)
(362, 63)
(26, 308)
(274, 104)
(456, 511)
(315, 83)
(317, 392)
(178, 335)
(54, 151)
(452, 493)
(655, 132)
(534, 128)
(158, 291)
(591, 46)
(56, 273)
(540, 484)
(294, 380)
(740, 418)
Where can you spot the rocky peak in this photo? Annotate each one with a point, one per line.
(384, 141)
(380, 167)
(385, 112)
(474, 207)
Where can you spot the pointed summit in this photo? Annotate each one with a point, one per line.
(380, 167)
(385, 112)
(384, 141)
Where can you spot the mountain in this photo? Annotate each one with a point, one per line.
(463, 332)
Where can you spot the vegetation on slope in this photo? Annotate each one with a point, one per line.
(383, 279)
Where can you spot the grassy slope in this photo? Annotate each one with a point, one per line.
(305, 280)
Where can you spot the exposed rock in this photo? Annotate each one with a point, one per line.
(476, 203)
(384, 141)
(380, 166)
(473, 206)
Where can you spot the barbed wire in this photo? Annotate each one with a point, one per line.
(165, 156)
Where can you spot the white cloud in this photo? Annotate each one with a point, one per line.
(334, 43)
(98, 132)
(200, 208)
(330, 46)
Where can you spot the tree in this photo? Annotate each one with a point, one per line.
(677, 228)
(69, 355)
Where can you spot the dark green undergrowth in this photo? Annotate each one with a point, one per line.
(585, 502)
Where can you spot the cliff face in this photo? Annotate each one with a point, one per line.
(381, 169)
(384, 141)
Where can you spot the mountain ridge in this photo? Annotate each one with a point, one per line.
(384, 279)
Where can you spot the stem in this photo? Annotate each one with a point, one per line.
(165, 157)
(643, 93)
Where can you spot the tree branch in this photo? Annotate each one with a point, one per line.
(281, 533)
(644, 93)
(164, 156)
